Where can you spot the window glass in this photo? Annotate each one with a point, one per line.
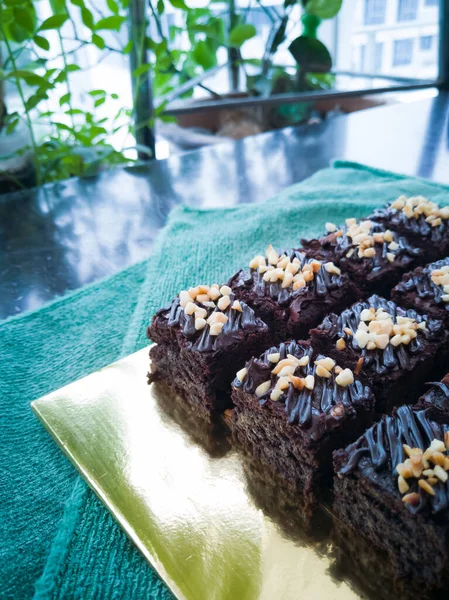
(402, 52)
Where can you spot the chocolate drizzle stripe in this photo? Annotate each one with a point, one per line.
(392, 357)
(201, 340)
(380, 449)
(322, 283)
(312, 410)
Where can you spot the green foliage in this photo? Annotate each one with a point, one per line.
(241, 33)
(311, 55)
(324, 9)
(76, 138)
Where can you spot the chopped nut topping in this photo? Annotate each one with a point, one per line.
(326, 362)
(417, 206)
(345, 378)
(241, 374)
(376, 329)
(403, 485)
(331, 268)
(276, 393)
(262, 388)
(364, 241)
(298, 382)
(426, 487)
(215, 328)
(440, 277)
(274, 358)
(289, 273)
(412, 499)
(359, 365)
(331, 227)
(417, 466)
(322, 372)
(224, 302)
(310, 382)
(200, 323)
(236, 306)
(341, 344)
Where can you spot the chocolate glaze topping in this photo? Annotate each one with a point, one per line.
(340, 245)
(321, 285)
(317, 411)
(396, 219)
(380, 449)
(391, 358)
(202, 340)
(420, 281)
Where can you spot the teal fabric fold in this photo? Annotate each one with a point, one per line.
(58, 540)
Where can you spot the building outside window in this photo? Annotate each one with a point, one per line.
(374, 12)
(402, 52)
(362, 57)
(432, 2)
(426, 42)
(378, 56)
(407, 10)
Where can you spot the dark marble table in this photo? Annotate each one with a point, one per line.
(65, 235)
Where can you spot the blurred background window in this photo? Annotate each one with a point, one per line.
(407, 10)
(403, 52)
(375, 12)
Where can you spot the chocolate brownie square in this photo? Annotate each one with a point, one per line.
(392, 490)
(293, 408)
(202, 338)
(426, 289)
(291, 292)
(372, 255)
(422, 222)
(394, 349)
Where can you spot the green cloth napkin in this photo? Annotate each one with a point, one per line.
(57, 539)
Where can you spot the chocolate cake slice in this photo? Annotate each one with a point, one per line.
(202, 338)
(394, 349)
(372, 255)
(392, 490)
(291, 292)
(422, 222)
(293, 408)
(426, 289)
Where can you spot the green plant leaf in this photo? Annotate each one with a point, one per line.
(141, 69)
(59, 6)
(114, 23)
(26, 19)
(241, 33)
(179, 4)
(114, 96)
(79, 3)
(64, 99)
(87, 18)
(72, 68)
(160, 7)
(113, 6)
(324, 9)
(203, 55)
(98, 41)
(99, 102)
(94, 93)
(311, 55)
(34, 100)
(29, 77)
(129, 46)
(73, 111)
(42, 42)
(54, 22)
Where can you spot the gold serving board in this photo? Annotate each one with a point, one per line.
(183, 494)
